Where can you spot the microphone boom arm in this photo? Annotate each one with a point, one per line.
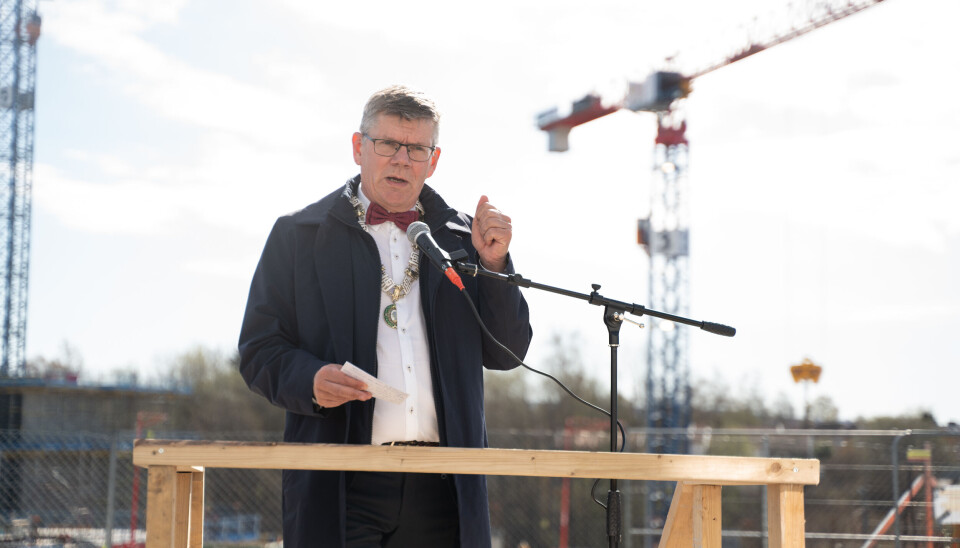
(593, 298)
(613, 316)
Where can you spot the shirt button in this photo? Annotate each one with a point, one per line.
(404, 330)
(409, 368)
(396, 256)
(411, 410)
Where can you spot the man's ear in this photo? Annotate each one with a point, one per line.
(433, 161)
(357, 141)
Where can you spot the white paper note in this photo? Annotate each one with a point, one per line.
(375, 386)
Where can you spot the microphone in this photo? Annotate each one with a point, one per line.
(419, 234)
(718, 329)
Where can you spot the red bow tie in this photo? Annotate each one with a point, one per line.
(377, 214)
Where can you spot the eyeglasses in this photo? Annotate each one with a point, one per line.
(387, 147)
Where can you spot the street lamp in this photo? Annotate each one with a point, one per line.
(806, 371)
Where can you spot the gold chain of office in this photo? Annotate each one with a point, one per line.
(394, 290)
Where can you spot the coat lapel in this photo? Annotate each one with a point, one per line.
(366, 300)
(336, 288)
(348, 281)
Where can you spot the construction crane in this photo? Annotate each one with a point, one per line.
(664, 234)
(19, 31)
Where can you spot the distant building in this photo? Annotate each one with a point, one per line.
(56, 433)
(42, 405)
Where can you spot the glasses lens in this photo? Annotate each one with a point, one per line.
(385, 148)
(418, 153)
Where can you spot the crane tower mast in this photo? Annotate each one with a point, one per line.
(19, 31)
(665, 233)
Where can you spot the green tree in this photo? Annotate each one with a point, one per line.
(824, 410)
(67, 366)
(917, 420)
(219, 400)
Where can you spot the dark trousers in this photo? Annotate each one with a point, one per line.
(396, 510)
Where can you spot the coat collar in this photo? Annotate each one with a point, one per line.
(436, 211)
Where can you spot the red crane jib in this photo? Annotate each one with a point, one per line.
(582, 116)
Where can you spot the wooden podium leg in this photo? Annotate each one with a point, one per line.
(174, 507)
(181, 520)
(785, 516)
(188, 522)
(161, 499)
(678, 529)
(196, 508)
(706, 516)
(694, 517)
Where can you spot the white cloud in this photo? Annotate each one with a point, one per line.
(111, 39)
(167, 11)
(301, 78)
(133, 206)
(233, 186)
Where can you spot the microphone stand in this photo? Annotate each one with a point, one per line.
(613, 318)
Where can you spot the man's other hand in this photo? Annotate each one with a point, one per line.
(491, 235)
(332, 387)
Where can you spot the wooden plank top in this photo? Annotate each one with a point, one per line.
(712, 470)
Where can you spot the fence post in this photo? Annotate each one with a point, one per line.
(895, 452)
(765, 526)
(111, 487)
(627, 509)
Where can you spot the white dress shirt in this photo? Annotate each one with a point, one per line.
(403, 354)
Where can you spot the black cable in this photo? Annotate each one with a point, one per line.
(486, 332)
(593, 493)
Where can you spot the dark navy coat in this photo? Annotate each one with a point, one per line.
(315, 299)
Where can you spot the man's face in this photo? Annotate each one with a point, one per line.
(394, 182)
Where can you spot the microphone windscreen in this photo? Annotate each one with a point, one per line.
(415, 229)
(719, 329)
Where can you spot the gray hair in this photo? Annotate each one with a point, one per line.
(404, 102)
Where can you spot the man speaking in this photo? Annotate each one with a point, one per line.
(340, 282)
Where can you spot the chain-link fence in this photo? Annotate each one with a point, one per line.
(864, 476)
(62, 488)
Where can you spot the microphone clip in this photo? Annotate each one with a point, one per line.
(457, 256)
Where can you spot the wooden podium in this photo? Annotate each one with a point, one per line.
(175, 484)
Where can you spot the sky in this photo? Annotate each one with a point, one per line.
(823, 175)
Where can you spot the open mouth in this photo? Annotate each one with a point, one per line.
(397, 180)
